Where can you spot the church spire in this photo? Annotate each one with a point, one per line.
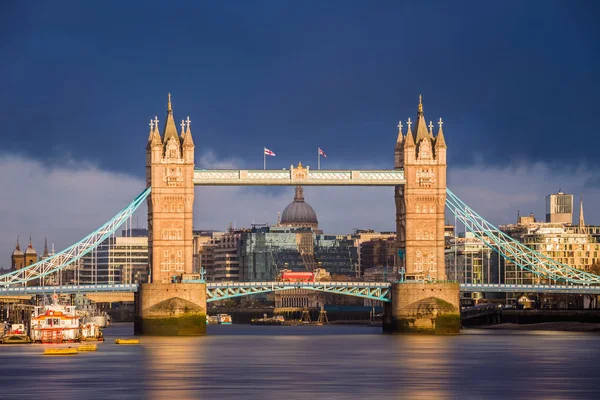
(45, 247)
(582, 228)
(170, 129)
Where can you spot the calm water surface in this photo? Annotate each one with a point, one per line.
(331, 362)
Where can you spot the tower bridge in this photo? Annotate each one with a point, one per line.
(421, 197)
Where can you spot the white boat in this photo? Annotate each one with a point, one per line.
(224, 319)
(54, 323)
(57, 323)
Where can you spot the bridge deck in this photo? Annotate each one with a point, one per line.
(363, 289)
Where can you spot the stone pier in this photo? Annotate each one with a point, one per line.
(171, 309)
(418, 307)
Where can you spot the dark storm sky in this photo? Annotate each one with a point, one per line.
(513, 80)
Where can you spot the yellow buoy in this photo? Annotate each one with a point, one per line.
(127, 341)
(87, 347)
(60, 352)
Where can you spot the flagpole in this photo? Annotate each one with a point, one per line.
(318, 159)
(264, 160)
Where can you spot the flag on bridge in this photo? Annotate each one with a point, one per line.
(267, 152)
(319, 154)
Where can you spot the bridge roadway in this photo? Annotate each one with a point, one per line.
(225, 290)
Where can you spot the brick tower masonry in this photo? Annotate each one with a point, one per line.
(422, 303)
(164, 307)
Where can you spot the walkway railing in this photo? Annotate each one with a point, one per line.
(367, 290)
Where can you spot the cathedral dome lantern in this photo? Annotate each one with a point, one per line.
(299, 213)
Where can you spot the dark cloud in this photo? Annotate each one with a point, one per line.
(513, 81)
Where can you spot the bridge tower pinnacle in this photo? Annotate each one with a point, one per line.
(170, 172)
(420, 203)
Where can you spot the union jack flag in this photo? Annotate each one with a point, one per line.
(321, 152)
(269, 152)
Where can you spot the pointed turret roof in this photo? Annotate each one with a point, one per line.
(154, 135)
(155, 139)
(440, 142)
(187, 136)
(409, 136)
(420, 126)
(400, 137)
(45, 247)
(170, 130)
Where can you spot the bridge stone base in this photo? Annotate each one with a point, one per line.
(432, 308)
(170, 309)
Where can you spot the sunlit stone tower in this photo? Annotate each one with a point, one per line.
(420, 204)
(173, 303)
(170, 172)
(429, 306)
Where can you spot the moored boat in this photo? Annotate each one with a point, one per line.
(15, 335)
(224, 319)
(89, 332)
(54, 323)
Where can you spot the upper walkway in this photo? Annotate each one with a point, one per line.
(298, 176)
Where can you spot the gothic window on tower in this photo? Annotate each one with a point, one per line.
(425, 177)
(419, 262)
(165, 263)
(425, 150)
(172, 151)
(179, 262)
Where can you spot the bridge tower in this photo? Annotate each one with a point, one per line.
(166, 306)
(422, 303)
(420, 204)
(170, 173)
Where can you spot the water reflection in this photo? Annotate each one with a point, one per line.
(312, 362)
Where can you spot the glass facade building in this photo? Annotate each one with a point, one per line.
(264, 251)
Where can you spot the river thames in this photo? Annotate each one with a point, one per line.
(310, 362)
